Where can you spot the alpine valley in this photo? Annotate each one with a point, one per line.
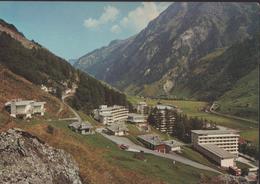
(200, 51)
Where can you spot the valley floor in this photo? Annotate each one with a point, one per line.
(248, 129)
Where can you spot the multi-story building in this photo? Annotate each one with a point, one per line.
(25, 108)
(136, 118)
(154, 142)
(108, 115)
(142, 108)
(219, 145)
(163, 118)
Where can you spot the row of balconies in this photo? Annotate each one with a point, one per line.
(214, 141)
(219, 137)
(218, 140)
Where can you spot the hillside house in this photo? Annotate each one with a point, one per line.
(117, 129)
(84, 128)
(25, 108)
(153, 142)
(172, 145)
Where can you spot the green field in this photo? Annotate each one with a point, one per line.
(249, 131)
(242, 99)
(154, 167)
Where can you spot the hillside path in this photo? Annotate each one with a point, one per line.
(77, 117)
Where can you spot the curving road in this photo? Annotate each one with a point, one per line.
(77, 117)
(172, 156)
(134, 147)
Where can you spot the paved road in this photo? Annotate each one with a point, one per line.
(245, 161)
(173, 156)
(78, 118)
(68, 119)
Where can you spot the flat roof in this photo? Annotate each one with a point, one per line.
(24, 102)
(172, 143)
(105, 107)
(105, 114)
(81, 125)
(213, 132)
(117, 127)
(142, 103)
(39, 103)
(135, 115)
(151, 138)
(164, 107)
(220, 152)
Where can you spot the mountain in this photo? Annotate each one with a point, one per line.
(29, 60)
(72, 61)
(174, 56)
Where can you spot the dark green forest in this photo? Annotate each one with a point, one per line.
(40, 66)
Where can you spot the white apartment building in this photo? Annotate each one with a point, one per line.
(136, 118)
(219, 145)
(141, 107)
(163, 121)
(25, 108)
(110, 114)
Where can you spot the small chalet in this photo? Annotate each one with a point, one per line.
(153, 142)
(117, 129)
(82, 127)
(172, 145)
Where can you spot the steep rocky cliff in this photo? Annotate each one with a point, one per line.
(27, 159)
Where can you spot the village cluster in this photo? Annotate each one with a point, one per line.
(220, 146)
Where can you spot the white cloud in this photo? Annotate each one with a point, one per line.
(109, 15)
(115, 29)
(143, 14)
(91, 23)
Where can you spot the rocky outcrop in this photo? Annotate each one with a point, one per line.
(27, 159)
(224, 179)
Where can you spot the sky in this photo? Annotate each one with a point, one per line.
(72, 29)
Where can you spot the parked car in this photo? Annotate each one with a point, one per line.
(123, 146)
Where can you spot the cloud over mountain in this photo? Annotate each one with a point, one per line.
(109, 15)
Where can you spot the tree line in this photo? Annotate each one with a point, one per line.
(182, 125)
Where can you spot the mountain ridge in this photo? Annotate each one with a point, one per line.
(36, 64)
(158, 60)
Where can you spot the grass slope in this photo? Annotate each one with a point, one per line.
(101, 161)
(242, 99)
